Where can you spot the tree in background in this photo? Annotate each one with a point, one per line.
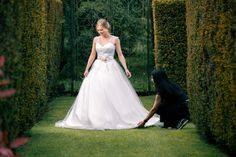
(128, 21)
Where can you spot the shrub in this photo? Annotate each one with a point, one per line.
(170, 46)
(31, 43)
(211, 72)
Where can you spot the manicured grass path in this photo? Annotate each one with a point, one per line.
(48, 141)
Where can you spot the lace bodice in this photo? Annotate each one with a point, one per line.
(106, 50)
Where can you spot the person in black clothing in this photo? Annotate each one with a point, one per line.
(170, 103)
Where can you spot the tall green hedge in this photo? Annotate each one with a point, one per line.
(211, 68)
(10, 35)
(170, 45)
(54, 44)
(32, 30)
(32, 97)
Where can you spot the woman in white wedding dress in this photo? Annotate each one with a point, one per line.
(106, 99)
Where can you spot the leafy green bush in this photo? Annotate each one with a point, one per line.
(31, 43)
(32, 96)
(10, 43)
(54, 19)
(211, 72)
(170, 45)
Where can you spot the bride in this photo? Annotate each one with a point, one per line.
(106, 99)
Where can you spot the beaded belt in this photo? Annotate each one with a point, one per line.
(105, 58)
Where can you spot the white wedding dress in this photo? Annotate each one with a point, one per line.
(106, 99)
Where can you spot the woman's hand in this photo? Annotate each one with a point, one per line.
(141, 124)
(86, 73)
(128, 74)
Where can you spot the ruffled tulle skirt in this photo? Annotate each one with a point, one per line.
(106, 100)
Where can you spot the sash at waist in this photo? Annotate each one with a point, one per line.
(105, 58)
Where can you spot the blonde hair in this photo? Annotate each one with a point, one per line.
(103, 23)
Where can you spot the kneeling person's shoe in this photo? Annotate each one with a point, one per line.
(182, 123)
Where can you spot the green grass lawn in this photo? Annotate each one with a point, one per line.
(48, 141)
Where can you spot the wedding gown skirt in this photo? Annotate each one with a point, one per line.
(106, 100)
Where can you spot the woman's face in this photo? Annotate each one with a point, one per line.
(101, 30)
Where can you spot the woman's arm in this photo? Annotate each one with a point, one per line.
(91, 58)
(121, 57)
(153, 110)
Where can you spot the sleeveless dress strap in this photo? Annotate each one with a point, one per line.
(113, 39)
(96, 39)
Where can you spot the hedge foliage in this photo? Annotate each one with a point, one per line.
(54, 44)
(32, 34)
(10, 44)
(33, 85)
(170, 45)
(211, 72)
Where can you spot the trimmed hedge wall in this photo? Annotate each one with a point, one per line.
(54, 44)
(32, 91)
(170, 45)
(211, 70)
(10, 43)
(32, 30)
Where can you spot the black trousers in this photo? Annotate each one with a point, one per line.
(171, 114)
